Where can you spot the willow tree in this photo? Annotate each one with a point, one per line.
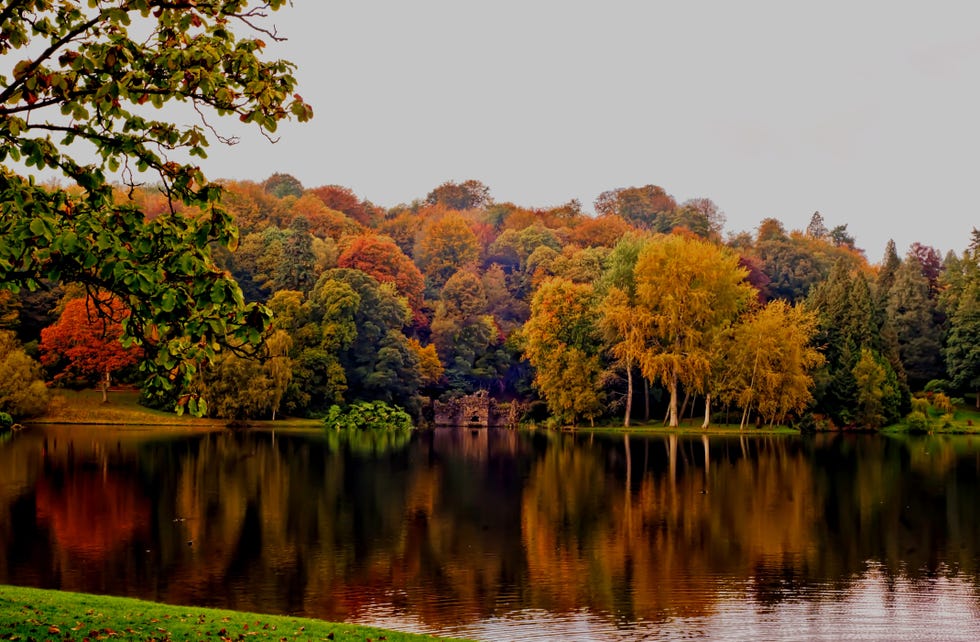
(688, 291)
(78, 84)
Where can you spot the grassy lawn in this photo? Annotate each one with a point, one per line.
(123, 408)
(35, 614)
(965, 420)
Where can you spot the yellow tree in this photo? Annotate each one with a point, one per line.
(767, 361)
(561, 344)
(446, 245)
(687, 290)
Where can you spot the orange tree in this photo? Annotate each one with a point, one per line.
(86, 342)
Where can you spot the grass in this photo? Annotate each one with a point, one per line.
(965, 420)
(123, 409)
(37, 614)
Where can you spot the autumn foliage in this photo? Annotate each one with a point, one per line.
(86, 342)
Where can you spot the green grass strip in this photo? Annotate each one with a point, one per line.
(35, 614)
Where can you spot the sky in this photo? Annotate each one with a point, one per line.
(868, 112)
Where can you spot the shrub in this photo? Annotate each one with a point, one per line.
(946, 421)
(936, 385)
(6, 421)
(368, 414)
(917, 421)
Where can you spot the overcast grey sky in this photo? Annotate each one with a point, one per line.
(866, 111)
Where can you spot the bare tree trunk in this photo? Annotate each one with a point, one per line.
(745, 413)
(707, 411)
(105, 387)
(687, 396)
(629, 396)
(673, 401)
(646, 398)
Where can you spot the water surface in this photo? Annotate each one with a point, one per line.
(498, 534)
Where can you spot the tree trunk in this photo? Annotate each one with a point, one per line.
(629, 396)
(105, 387)
(707, 411)
(646, 399)
(673, 401)
(687, 397)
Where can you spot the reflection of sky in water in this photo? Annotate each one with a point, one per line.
(871, 608)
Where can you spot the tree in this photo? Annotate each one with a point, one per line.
(86, 342)
(709, 212)
(767, 359)
(466, 337)
(84, 75)
(296, 269)
(468, 195)
(343, 199)
(688, 290)
(561, 343)
(877, 395)
(283, 185)
(248, 388)
(382, 259)
(622, 326)
(847, 325)
(961, 301)
(648, 206)
(911, 312)
(930, 263)
(378, 361)
(817, 229)
(446, 245)
(22, 389)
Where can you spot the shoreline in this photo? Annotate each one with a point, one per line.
(32, 613)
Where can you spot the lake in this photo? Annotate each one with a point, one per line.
(511, 535)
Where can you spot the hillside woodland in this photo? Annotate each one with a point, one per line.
(647, 309)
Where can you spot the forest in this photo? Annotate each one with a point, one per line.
(647, 309)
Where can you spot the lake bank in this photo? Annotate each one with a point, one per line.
(85, 407)
(37, 614)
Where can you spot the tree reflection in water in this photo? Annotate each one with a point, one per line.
(454, 528)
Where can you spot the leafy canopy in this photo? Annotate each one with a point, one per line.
(78, 86)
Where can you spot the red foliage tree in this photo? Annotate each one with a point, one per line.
(343, 199)
(87, 339)
(381, 258)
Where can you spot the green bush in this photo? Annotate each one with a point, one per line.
(368, 414)
(920, 405)
(6, 421)
(917, 421)
(937, 385)
(946, 421)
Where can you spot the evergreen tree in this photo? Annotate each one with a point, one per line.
(912, 313)
(296, 271)
(961, 300)
(846, 325)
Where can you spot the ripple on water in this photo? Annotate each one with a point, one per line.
(872, 607)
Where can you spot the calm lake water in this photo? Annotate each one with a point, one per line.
(504, 535)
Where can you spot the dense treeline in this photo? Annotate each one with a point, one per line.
(643, 310)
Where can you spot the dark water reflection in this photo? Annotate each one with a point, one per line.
(509, 535)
